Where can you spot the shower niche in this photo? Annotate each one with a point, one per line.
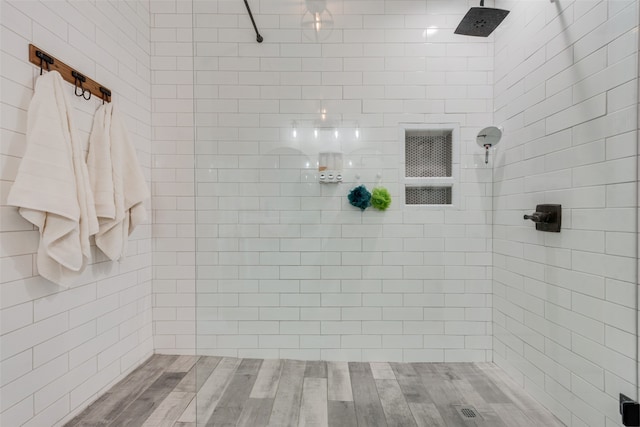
(430, 165)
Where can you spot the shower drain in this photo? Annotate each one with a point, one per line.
(468, 412)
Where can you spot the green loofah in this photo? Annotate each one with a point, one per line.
(380, 198)
(360, 197)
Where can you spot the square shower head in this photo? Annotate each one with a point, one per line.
(481, 21)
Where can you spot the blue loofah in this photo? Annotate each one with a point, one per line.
(360, 197)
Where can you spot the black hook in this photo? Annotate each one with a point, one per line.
(78, 80)
(106, 93)
(44, 58)
(41, 60)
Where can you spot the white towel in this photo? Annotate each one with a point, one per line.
(117, 182)
(52, 187)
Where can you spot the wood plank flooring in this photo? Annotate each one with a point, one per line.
(190, 391)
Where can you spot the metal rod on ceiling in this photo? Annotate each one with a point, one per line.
(258, 36)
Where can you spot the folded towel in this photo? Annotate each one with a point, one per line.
(52, 187)
(117, 182)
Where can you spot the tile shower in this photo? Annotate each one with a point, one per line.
(285, 267)
(247, 255)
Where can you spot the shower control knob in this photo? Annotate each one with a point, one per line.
(539, 217)
(547, 218)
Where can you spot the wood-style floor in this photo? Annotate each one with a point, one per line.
(279, 393)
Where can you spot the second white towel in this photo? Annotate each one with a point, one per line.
(118, 185)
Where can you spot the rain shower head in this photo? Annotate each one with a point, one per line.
(481, 21)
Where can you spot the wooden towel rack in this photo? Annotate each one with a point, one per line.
(47, 62)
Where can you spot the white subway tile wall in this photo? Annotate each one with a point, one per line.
(61, 348)
(285, 266)
(564, 305)
(172, 151)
